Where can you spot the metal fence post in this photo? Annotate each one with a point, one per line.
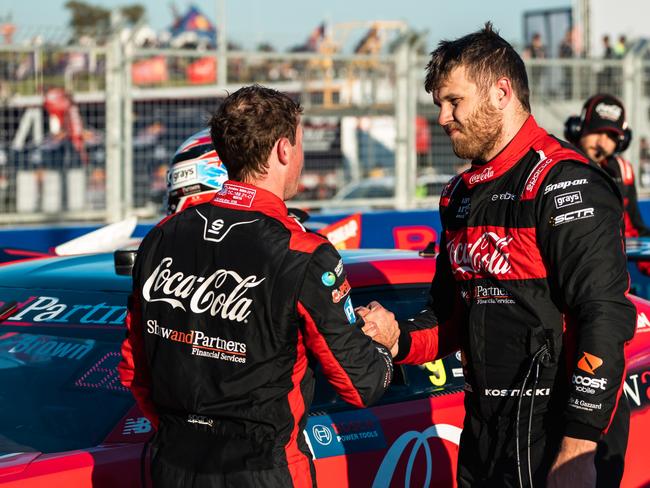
(632, 81)
(114, 123)
(128, 170)
(402, 114)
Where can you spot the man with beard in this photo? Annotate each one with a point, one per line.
(530, 282)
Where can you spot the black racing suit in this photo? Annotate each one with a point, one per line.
(621, 171)
(531, 284)
(231, 299)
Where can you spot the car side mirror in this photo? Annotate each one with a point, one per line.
(124, 260)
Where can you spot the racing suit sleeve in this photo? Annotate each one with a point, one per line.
(433, 332)
(580, 234)
(134, 368)
(358, 368)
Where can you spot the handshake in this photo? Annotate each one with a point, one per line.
(380, 326)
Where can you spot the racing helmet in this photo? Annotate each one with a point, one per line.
(195, 174)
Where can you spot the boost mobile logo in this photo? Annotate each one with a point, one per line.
(589, 363)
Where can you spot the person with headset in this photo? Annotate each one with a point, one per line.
(602, 133)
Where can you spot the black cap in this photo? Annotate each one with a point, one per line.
(603, 113)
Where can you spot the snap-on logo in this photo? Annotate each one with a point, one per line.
(484, 175)
(562, 185)
(589, 363)
(567, 199)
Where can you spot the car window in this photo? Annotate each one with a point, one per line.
(409, 382)
(371, 192)
(59, 387)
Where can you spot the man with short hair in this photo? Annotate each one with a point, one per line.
(230, 295)
(530, 282)
(602, 133)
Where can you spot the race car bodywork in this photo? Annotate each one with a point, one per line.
(67, 420)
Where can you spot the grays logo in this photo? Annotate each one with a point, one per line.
(583, 213)
(563, 185)
(567, 199)
(213, 232)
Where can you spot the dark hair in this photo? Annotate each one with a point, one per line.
(246, 126)
(486, 56)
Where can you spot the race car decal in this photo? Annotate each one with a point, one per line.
(51, 309)
(344, 433)
(637, 389)
(391, 460)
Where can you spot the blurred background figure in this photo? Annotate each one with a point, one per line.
(601, 131)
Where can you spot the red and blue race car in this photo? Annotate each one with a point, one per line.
(67, 421)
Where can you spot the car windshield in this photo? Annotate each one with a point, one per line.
(59, 388)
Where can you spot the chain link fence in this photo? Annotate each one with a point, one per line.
(87, 132)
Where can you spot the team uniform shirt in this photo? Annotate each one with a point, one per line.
(232, 298)
(531, 259)
(623, 174)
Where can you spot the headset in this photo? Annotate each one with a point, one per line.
(574, 125)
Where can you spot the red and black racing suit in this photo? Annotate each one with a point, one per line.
(621, 171)
(531, 274)
(230, 301)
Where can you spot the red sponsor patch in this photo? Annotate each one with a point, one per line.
(236, 195)
(489, 251)
(341, 292)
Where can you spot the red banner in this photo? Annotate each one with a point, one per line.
(149, 71)
(202, 71)
(344, 234)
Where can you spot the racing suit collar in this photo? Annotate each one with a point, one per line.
(244, 196)
(507, 158)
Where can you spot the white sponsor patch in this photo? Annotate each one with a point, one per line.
(504, 196)
(609, 112)
(182, 175)
(567, 199)
(563, 185)
(205, 294)
(215, 232)
(516, 392)
(583, 213)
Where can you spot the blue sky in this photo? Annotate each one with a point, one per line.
(288, 22)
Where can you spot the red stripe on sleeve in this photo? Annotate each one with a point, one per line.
(297, 462)
(333, 370)
(424, 346)
(134, 369)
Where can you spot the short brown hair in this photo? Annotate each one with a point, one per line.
(246, 126)
(487, 57)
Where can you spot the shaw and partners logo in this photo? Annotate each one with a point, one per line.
(417, 440)
(487, 254)
(209, 296)
(214, 347)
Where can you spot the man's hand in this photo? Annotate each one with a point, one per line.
(574, 465)
(381, 325)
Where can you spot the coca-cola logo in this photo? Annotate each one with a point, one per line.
(486, 174)
(487, 254)
(209, 296)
